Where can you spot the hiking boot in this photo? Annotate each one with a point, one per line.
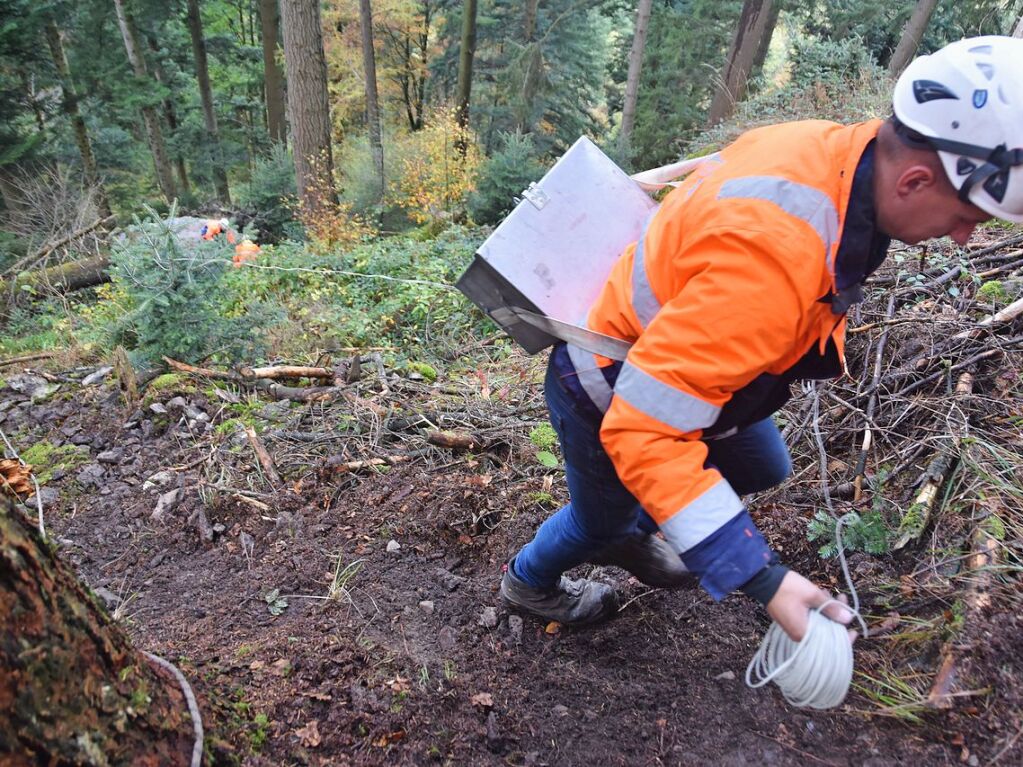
(571, 602)
(649, 558)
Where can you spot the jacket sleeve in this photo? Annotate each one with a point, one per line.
(737, 314)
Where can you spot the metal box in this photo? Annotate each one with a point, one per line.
(554, 251)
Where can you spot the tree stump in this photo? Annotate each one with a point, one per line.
(72, 688)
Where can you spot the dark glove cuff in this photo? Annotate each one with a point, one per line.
(763, 586)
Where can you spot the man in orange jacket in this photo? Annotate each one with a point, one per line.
(738, 287)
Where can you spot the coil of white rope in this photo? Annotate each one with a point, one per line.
(815, 672)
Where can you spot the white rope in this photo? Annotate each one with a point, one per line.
(193, 706)
(817, 671)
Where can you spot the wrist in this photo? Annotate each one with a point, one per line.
(764, 585)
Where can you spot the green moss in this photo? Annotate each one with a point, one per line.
(168, 383)
(45, 458)
(993, 291)
(426, 371)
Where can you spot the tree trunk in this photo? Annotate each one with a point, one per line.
(308, 108)
(72, 688)
(273, 78)
(149, 117)
(209, 115)
(465, 56)
(372, 101)
(765, 39)
(170, 115)
(1018, 30)
(74, 275)
(752, 28)
(911, 35)
(70, 96)
(635, 67)
(529, 19)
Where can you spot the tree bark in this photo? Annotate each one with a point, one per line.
(65, 278)
(209, 115)
(170, 115)
(70, 98)
(372, 100)
(750, 31)
(273, 78)
(529, 19)
(465, 56)
(72, 688)
(635, 67)
(911, 36)
(152, 123)
(1018, 30)
(308, 108)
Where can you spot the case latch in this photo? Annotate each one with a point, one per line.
(536, 195)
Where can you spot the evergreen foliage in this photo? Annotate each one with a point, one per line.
(504, 175)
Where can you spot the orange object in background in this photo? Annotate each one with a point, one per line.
(215, 227)
(246, 250)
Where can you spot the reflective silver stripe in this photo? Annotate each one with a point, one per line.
(644, 302)
(799, 200)
(667, 404)
(591, 377)
(702, 517)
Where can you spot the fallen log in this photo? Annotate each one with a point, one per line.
(455, 440)
(275, 390)
(66, 278)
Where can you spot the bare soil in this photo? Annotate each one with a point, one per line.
(412, 659)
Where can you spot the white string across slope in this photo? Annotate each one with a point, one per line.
(817, 671)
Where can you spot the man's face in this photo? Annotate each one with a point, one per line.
(936, 211)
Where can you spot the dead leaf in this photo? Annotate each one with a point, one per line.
(482, 699)
(15, 478)
(906, 586)
(317, 695)
(256, 665)
(553, 628)
(392, 737)
(281, 667)
(309, 736)
(886, 626)
(398, 684)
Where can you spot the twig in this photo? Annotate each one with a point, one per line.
(27, 358)
(868, 435)
(286, 371)
(73, 236)
(264, 457)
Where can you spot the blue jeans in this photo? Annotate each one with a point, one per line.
(601, 511)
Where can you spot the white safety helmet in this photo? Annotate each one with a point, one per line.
(966, 102)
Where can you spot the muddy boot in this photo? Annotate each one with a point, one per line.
(650, 559)
(569, 602)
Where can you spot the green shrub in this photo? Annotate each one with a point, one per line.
(828, 63)
(177, 291)
(269, 196)
(503, 176)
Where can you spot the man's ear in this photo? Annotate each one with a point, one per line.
(915, 178)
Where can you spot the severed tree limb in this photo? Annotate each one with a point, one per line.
(455, 440)
(918, 516)
(269, 469)
(275, 390)
(27, 358)
(286, 371)
(336, 464)
(73, 236)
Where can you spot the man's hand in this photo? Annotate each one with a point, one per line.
(796, 597)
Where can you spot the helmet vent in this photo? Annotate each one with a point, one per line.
(929, 90)
(997, 184)
(986, 69)
(965, 167)
(981, 50)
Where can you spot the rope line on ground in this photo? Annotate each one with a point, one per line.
(193, 706)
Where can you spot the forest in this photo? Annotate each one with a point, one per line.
(263, 463)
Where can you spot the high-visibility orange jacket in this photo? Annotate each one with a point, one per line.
(728, 296)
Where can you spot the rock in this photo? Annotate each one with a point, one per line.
(97, 376)
(276, 411)
(515, 629)
(69, 431)
(426, 606)
(160, 556)
(26, 383)
(91, 475)
(166, 503)
(488, 619)
(81, 438)
(727, 676)
(195, 414)
(176, 403)
(447, 638)
(109, 598)
(112, 456)
(560, 710)
(45, 392)
(158, 480)
(393, 547)
(448, 580)
(47, 495)
(158, 408)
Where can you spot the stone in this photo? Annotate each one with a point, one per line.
(91, 475)
(97, 376)
(158, 480)
(177, 403)
(727, 676)
(166, 503)
(448, 580)
(426, 606)
(447, 638)
(515, 629)
(393, 547)
(109, 598)
(158, 408)
(112, 456)
(47, 495)
(560, 710)
(488, 619)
